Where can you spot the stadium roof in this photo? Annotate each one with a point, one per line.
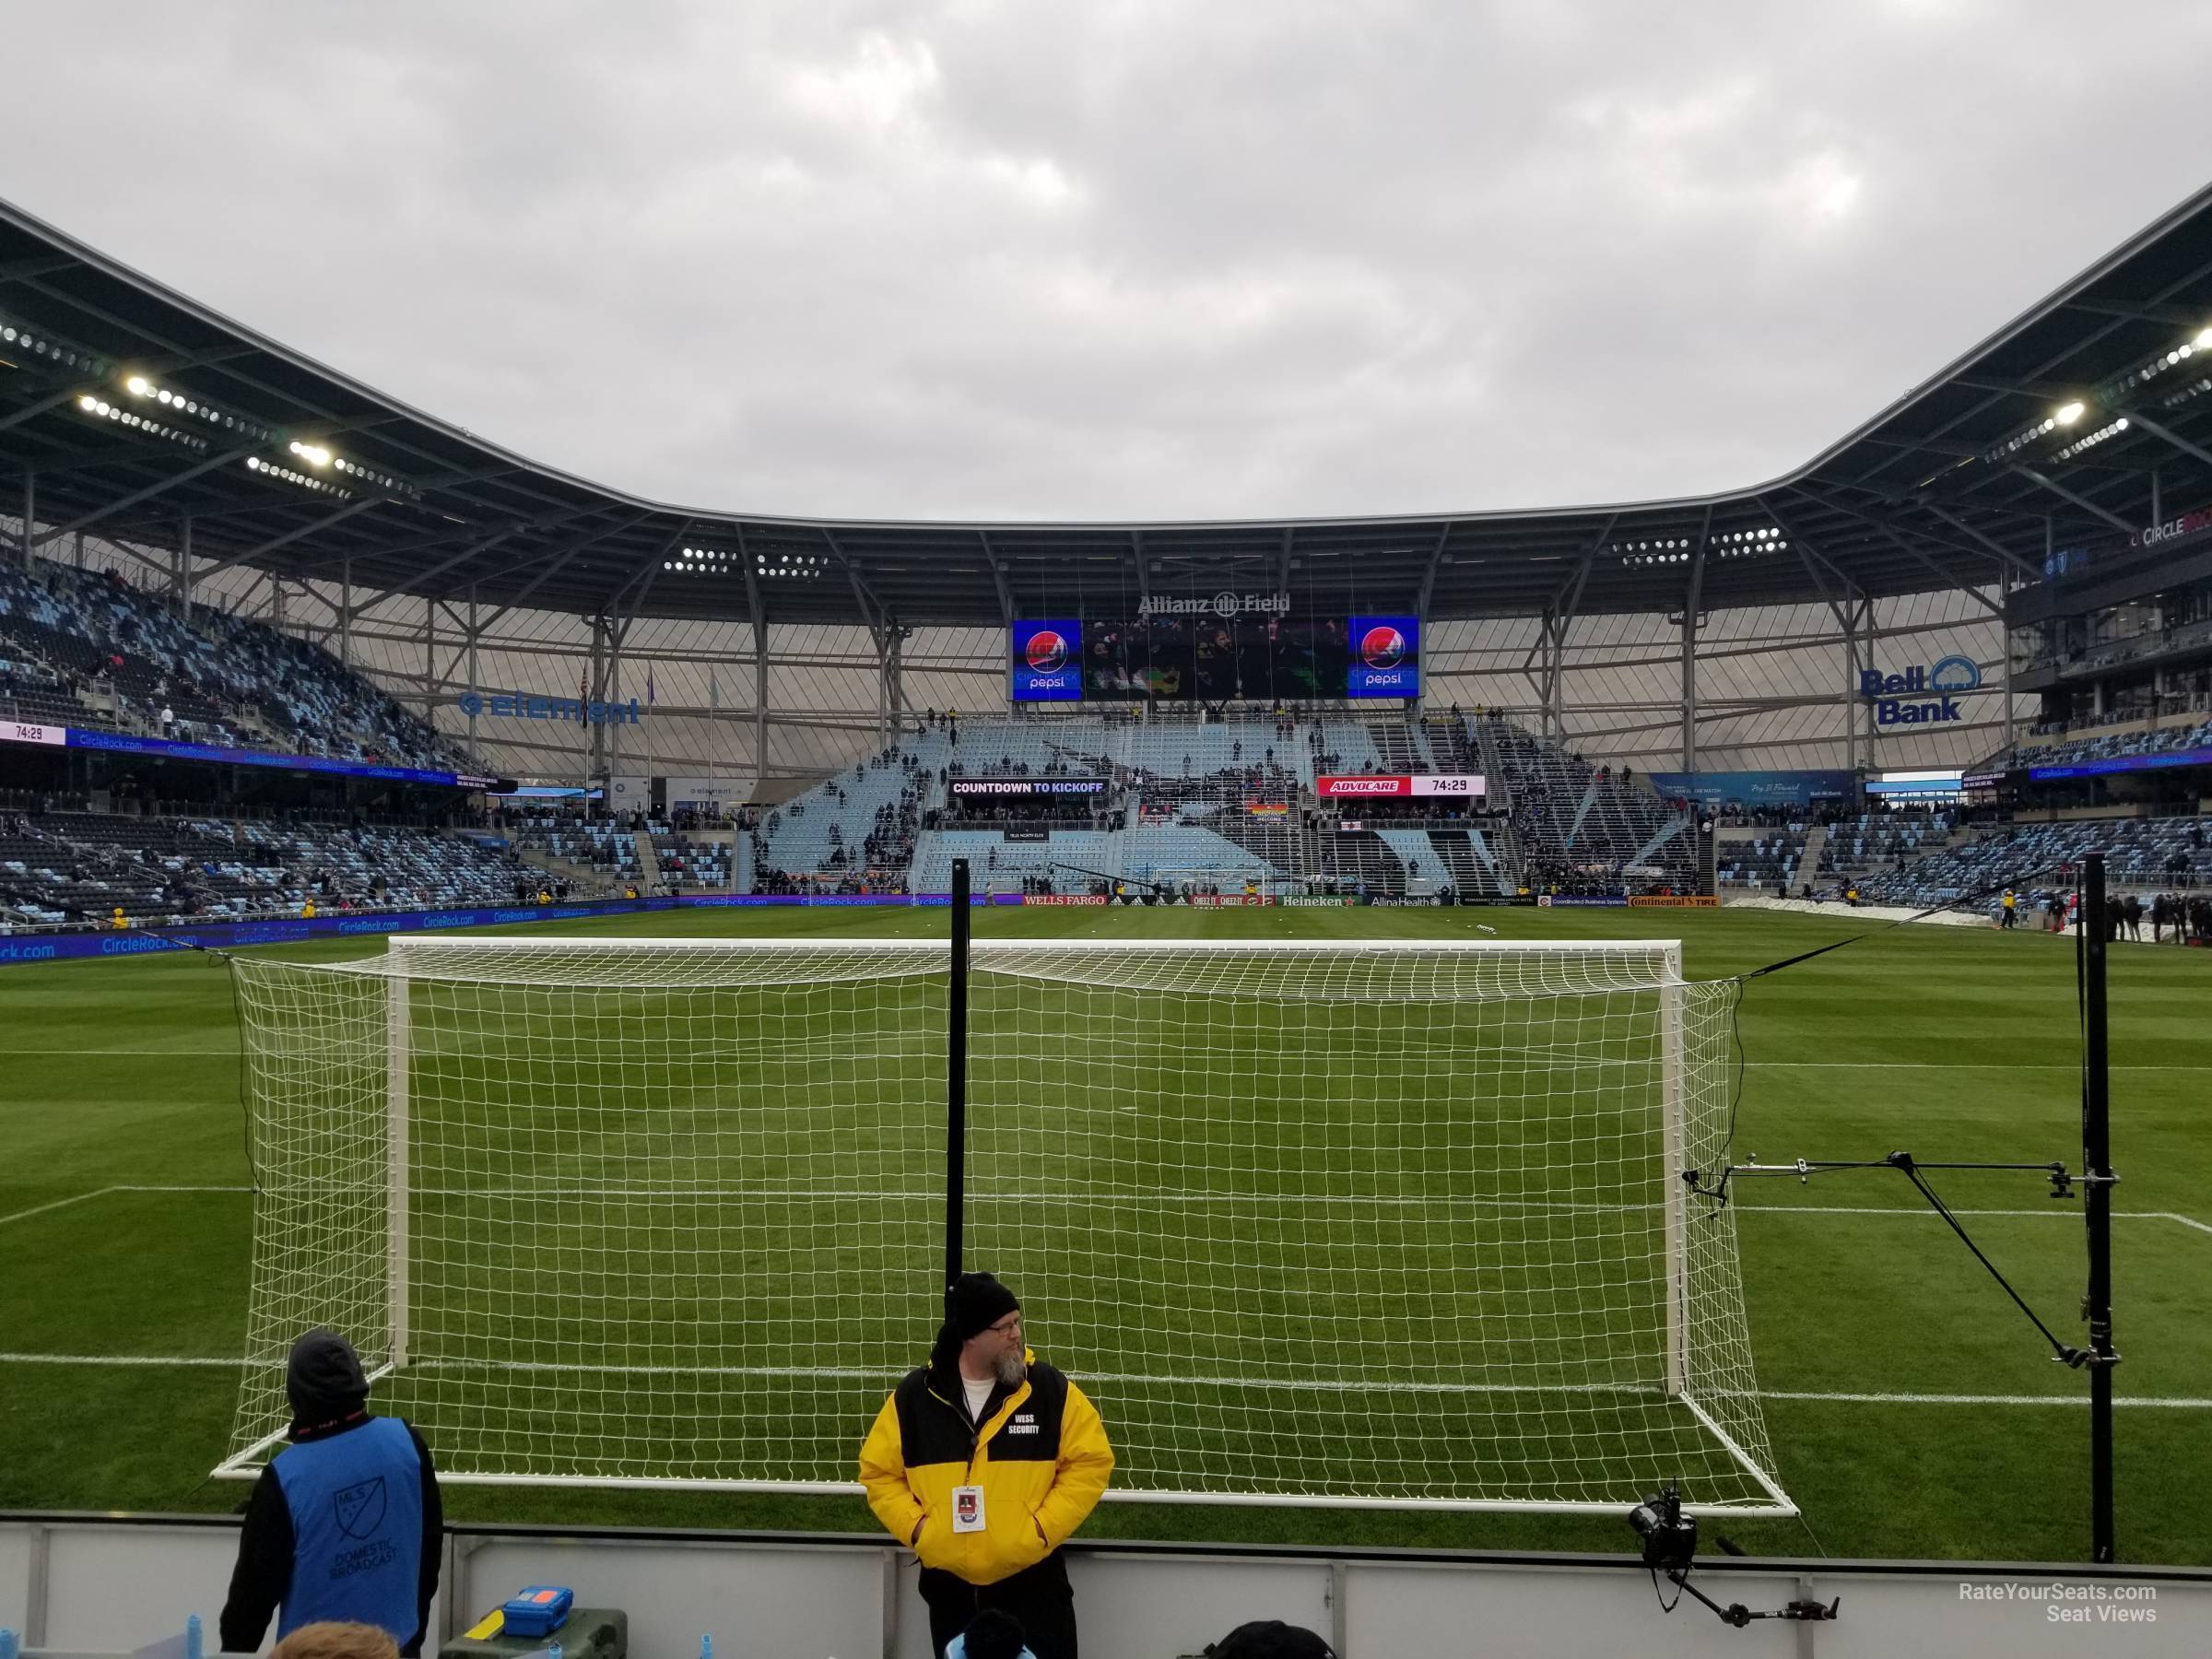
(135, 409)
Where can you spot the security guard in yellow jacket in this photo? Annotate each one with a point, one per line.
(986, 1460)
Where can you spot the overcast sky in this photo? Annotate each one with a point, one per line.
(1126, 260)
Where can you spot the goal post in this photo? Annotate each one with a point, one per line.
(1374, 1223)
(397, 1068)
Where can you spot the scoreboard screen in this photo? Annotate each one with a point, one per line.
(1237, 651)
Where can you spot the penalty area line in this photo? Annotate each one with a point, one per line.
(1899, 1209)
(104, 1191)
(58, 1204)
(2131, 1402)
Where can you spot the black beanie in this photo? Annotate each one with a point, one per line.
(1271, 1639)
(324, 1379)
(994, 1633)
(975, 1304)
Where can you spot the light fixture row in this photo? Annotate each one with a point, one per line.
(99, 408)
(2112, 392)
(269, 469)
(193, 408)
(713, 562)
(35, 343)
(2154, 366)
(2092, 440)
(1677, 550)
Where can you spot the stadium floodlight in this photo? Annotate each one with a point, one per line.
(1354, 1224)
(138, 386)
(2066, 414)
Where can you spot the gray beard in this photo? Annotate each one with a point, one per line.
(1011, 1368)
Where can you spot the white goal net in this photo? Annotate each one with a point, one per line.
(1354, 1223)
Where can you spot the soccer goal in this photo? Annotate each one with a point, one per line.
(1387, 1223)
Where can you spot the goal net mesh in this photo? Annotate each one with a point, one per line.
(1375, 1223)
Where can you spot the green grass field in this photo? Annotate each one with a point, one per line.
(1913, 1411)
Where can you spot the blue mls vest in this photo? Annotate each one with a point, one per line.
(355, 1500)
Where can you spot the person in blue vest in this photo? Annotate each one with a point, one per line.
(343, 1524)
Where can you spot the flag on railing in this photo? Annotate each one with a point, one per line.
(649, 688)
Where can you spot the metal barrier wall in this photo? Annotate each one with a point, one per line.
(111, 1583)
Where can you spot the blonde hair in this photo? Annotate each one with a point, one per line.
(334, 1639)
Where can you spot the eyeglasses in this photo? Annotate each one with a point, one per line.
(1006, 1327)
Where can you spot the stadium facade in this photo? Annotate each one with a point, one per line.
(141, 432)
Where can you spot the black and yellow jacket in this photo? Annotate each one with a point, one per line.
(1040, 1455)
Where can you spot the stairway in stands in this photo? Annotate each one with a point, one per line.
(649, 862)
(1279, 840)
(1360, 856)
(1456, 853)
(1808, 861)
(1400, 748)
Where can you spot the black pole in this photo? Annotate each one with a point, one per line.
(956, 1079)
(2097, 1206)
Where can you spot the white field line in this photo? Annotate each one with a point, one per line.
(1752, 1065)
(733, 1195)
(176, 1361)
(1357, 1386)
(1948, 1065)
(121, 1187)
(2132, 1402)
(57, 1204)
(140, 1054)
(1892, 1209)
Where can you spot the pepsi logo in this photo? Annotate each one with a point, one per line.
(1047, 652)
(1382, 646)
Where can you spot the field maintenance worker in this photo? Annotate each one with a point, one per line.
(986, 1460)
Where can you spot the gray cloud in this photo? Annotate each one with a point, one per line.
(1124, 260)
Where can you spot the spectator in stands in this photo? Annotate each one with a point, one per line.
(335, 1640)
(343, 1524)
(986, 1460)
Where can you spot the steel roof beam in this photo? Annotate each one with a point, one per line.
(262, 549)
(1889, 528)
(2175, 439)
(998, 579)
(31, 411)
(151, 490)
(2064, 494)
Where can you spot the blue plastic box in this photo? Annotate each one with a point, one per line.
(538, 1610)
